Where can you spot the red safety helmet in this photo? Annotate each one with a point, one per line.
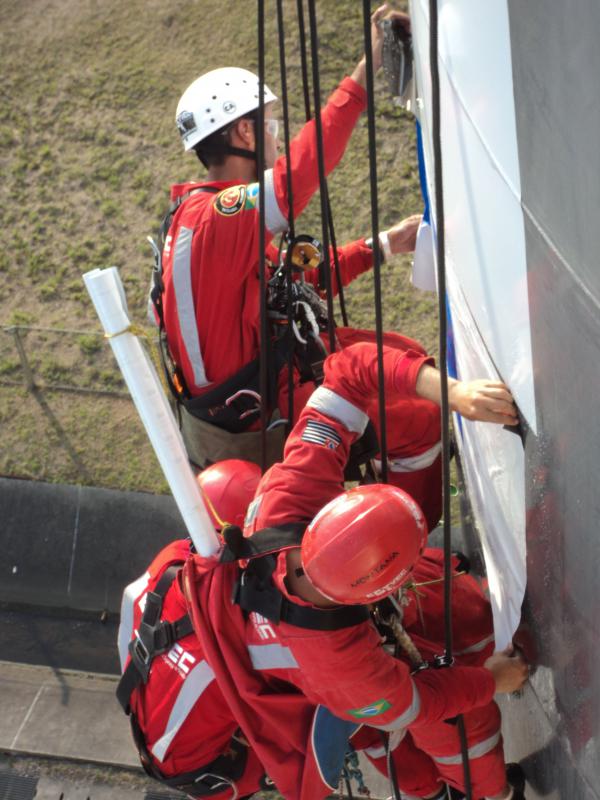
(227, 488)
(363, 544)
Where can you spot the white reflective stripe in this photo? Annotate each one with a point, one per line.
(193, 687)
(394, 740)
(376, 752)
(475, 648)
(130, 595)
(413, 463)
(476, 751)
(186, 311)
(274, 219)
(337, 407)
(407, 717)
(271, 656)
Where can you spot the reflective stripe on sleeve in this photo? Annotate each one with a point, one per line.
(337, 407)
(193, 686)
(476, 751)
(271, 656)
(407, 717)
(413, 463)
(186, 311)
(130, 595)
(274, 219)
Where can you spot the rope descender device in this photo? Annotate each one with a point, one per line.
(305, 252)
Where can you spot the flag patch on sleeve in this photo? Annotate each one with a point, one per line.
(321, 433)
(370, 711)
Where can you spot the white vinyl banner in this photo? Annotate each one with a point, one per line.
(486, 265)
(106, 290)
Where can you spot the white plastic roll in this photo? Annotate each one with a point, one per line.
(106, 290)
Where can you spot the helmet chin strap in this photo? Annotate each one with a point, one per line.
(240, 151)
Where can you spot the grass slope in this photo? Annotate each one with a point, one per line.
(88, 149)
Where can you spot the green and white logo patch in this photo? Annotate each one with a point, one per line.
(374, 710)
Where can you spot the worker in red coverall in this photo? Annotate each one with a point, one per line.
(184, 730)
(210, 274)
(345, 671)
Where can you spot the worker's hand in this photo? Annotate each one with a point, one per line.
(510, 671)
(360, 73)
(483, 400)
(403, 236)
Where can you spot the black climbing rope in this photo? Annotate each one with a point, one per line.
(260, 168)
(445, 410)
(314, 45)
(289, 277)
(304, 70)
(375, 234)
(303, 58)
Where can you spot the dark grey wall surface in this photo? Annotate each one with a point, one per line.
(77, 547)
(556, 61)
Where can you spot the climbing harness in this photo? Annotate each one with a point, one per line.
(153, 638)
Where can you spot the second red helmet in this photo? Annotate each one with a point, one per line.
(227, 488)
(364, 544)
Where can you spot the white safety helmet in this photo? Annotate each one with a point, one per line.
(216, 99)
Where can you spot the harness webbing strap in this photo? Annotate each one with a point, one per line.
(205, 781)
(256, 592)
(153, 638)
(263, 542)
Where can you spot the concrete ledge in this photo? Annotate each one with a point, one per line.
(64, 714)
(77, 547)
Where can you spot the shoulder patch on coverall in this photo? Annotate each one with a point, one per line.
(230, 201)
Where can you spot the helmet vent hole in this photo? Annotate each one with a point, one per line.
(214, 97)
(212, 120)
(208, 110)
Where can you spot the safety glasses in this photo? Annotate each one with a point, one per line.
(272, 127)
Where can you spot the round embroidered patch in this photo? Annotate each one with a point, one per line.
(231, 201)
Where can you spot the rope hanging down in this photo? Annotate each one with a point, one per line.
(260, 168)
(289, 277)
(314, 51)
(305, 86)
(375, 235)
(445, 411)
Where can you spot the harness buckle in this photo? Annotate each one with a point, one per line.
(141, 656)
(141, 651)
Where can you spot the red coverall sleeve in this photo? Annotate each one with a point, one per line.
(354, 258)
(350, 673)
(352, 373)
(316, 452)
(338, 119)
